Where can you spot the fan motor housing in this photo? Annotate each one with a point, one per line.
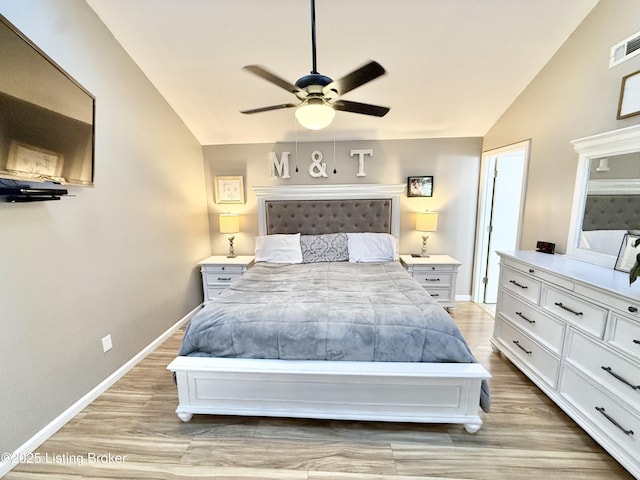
(314, 79)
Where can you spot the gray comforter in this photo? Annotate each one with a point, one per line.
(327, 311)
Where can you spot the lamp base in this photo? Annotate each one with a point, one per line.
(423, 251)
(232, 254)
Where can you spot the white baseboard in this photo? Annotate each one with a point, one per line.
(57, 423)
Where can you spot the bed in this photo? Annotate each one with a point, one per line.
(336, 329)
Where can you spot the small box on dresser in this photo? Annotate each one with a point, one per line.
(574, 329)
(437, 274)
(219, 271)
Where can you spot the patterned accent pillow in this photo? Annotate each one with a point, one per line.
(331, 247)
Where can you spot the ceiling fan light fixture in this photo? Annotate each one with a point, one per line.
(315, 115)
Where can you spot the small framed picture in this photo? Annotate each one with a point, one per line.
(628, 253)
(629, 103)
(39, 162)
(419, 186)
(229, 190)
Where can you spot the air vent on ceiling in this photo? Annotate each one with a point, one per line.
(626, 49)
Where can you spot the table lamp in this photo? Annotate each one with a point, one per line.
(426, 222)
(229, 223)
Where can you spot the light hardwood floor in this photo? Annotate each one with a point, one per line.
(524, 437)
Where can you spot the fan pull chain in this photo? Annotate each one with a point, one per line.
(334, 148)
(295, 129)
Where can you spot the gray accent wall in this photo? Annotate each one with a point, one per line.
(575, 95)
(453, 162)
(118, 258)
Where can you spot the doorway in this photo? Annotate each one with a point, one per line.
(500, 212)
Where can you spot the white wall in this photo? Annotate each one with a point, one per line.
(119, 258)
(453, 162)
(575, 95)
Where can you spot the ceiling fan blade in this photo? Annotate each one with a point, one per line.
(358, 77)
(363, 108)
(272, 77)
(268, 109)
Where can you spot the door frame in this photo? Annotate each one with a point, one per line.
(485, 202)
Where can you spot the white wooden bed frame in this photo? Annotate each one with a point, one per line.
(380, 391)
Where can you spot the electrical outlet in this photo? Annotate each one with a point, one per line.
(106, 343)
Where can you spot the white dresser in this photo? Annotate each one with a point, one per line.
(574, 329)
(437, 275)
(219, 271)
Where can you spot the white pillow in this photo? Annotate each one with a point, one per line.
(279, 248)
(372, 247)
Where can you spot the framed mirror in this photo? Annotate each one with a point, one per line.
(606, 203)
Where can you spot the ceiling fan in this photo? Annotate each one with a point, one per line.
(319, 94)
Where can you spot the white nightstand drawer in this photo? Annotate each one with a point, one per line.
(584, 315)
(522, 285)
(626, 335)
(224, 278)
(544, 328)
(437, 279)
(606, 367)
(442, 295)
(223, 269)
(213, 291)
(529, 351)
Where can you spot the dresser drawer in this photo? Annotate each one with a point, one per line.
(615, 420)
(542, 327)
(584, 315)
(619, 375)
(625, 335)
(626, 305)
(521, 284)
(538, 273)
(224, 278)
(543, 363)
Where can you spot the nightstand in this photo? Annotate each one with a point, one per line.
(219, 271)
(437, 274)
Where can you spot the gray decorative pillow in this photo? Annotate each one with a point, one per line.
(331, 247)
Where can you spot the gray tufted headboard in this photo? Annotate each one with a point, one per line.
(611, 212)
(315, 209)
(313, 217)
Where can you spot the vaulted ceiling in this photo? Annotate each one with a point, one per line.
(453, 66)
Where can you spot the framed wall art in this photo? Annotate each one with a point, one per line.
(37, 162)
(629, 103)
(419, 186)
(229, 190)
(628, 253)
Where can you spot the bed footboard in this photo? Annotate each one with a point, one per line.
(393, 392)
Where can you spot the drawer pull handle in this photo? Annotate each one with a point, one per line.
(528, 352)
(431, 279)
(559, 304)
(636, 341)
(434, 294)
(622, 379)
(224, 279)
(531, 270)
(525, 318)
(633, 309)
(517, 284)
(608, 417)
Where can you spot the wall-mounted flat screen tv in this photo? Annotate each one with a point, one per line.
(46, 117)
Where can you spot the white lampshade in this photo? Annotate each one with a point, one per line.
(315, 115)
(427, 221)
(229, 223)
